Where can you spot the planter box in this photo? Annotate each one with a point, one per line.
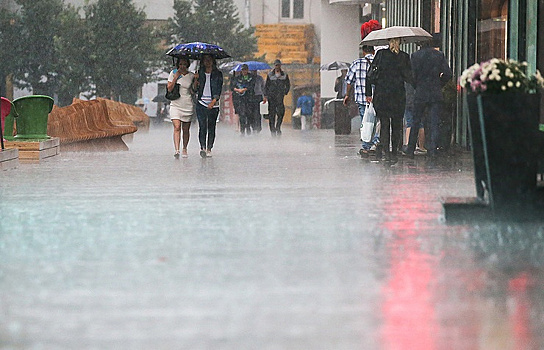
(33, 151)
(505, 137)
(9, 158)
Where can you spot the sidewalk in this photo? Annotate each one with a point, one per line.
(274, 243)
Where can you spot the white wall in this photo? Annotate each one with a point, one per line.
(340, 37)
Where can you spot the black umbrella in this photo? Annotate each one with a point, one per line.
(196, 50)
(335, 65)
(159, 98)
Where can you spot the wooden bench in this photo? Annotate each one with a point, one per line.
(82, 124)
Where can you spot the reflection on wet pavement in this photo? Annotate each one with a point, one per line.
(289, 243)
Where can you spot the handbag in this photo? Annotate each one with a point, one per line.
(369, 121)
(297, 113)
(373, 74)
(174, 94)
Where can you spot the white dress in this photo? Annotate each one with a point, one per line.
(182, 108)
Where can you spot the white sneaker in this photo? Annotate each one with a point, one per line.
(209, 153)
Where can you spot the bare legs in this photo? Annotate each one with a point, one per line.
(178, 127)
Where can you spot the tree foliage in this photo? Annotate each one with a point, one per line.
(122, 49)
(71, 46)
(39, 24)
(10, 27)
(212, 21)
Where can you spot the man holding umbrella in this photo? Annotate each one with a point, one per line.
(276, 87)
(244, 86)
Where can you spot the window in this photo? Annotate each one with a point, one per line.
(292, 9)
(492, 29)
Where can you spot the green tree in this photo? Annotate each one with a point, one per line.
(212, 21)
(42, 44)
(39, 61)
(10, 54)
(123, 52)
(72, 46)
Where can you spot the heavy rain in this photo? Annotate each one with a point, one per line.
(236, 219)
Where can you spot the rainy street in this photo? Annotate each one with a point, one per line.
(292, 242)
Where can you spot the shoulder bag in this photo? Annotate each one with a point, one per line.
(174, 94)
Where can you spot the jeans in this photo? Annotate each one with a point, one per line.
(434, 109)
(207, 120)
(376, 138)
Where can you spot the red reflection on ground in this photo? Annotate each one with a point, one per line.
(408, 309)
(520, 315)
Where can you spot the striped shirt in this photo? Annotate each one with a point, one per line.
(356, 77)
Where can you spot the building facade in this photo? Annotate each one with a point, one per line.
(471, 31)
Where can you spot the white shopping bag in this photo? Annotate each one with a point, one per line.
(263, 107)
(369, 121)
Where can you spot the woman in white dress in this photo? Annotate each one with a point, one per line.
(182, 109)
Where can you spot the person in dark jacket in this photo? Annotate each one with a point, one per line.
(431, 72)
(276, 87)
(389, 96)
(258, 98)
(243, 86)
(209, 86)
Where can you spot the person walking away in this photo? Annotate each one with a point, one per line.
(342, 119)
(355, 88)
(182, 109)
(209, 85)
(244, 86)
(409, 123)
(340, 84)
(431, 72)
(306, 104)
(276, 87)
(258, 98)
(389, 96)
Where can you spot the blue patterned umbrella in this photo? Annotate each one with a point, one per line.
(196, 50)
(253, 65)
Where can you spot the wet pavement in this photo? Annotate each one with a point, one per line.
(274, 243)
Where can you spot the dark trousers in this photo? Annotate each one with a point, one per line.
(207, 121)
(434, 109)
(257, 126)
(390, 129)
(276, 111)
(245, 112)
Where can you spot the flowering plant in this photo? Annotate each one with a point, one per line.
(497, 75)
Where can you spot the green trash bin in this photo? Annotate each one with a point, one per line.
(8, 125)
(32, 113)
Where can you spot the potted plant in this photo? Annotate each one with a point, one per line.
(504, 111)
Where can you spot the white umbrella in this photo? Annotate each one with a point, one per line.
(406, 34)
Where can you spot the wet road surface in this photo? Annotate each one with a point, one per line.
(274, 243)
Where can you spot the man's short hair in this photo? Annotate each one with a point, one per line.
(367, 48)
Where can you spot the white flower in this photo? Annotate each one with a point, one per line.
(518, 84)
(510, 84)
(503, 88)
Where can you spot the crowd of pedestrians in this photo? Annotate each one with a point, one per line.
(405, 91)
